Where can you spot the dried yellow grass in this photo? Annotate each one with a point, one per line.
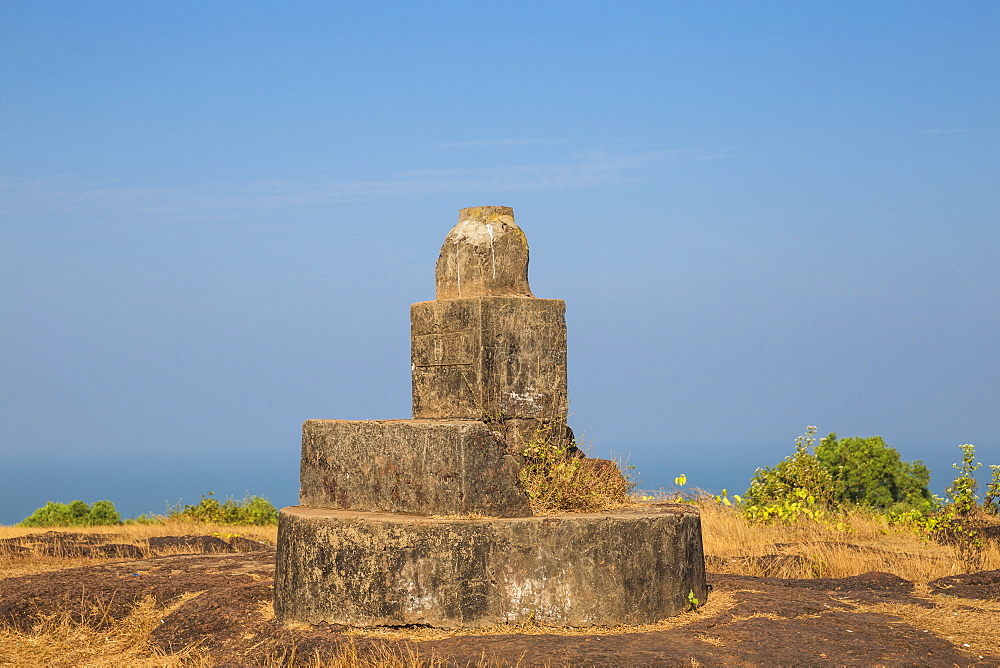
(58, 640)
(863, 542)
(12, 565)
(126, 533)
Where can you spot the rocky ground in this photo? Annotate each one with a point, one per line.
(218, 595)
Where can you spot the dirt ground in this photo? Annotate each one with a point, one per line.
(218, 595)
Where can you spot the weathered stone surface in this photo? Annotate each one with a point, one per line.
(365, 569)
(490, 358)
(486, 253)
(410, 466)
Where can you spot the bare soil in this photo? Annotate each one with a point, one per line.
(218, 597)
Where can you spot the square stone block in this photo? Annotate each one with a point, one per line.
(442, 467)
(635, 566)
(489, 358)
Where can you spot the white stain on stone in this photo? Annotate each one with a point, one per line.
(540, 598)
(458, 265)
(493, 255)
(528, 397)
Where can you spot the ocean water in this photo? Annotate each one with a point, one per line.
(142, 484)
(149, 484)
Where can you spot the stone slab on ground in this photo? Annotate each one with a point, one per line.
(449, 467)
(631, 566)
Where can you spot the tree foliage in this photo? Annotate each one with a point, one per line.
(867, 472)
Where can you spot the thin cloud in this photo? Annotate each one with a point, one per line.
(82, 200)
(498, 143)
(945, 131)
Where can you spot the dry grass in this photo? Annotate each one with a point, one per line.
(128, 534)
(133, 533)
(558, 476)
(349, 655)
(60, 641)
(862, 543)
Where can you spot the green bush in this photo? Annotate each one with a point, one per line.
(253, 510)
(73, 514)
(799, 481)
(867, 472)
(839, 473)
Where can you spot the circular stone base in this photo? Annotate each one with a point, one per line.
(631, 566)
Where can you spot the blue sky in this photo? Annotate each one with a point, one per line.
(762, 216)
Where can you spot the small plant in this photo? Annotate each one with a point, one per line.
(957, 523)
(557, 476)
(73, 514)
(723, 498)
(693, 600)
(683, 494)
(991, 501)
(962, 493)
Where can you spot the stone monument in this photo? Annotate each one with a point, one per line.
(425, 521)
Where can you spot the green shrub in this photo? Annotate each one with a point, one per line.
(73, 514)
(798, 484)
(253, 510)
(867, 472)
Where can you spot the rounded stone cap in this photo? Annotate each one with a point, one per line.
(485, 254)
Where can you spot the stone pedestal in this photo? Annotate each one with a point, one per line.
(426, 521)
(371, 569)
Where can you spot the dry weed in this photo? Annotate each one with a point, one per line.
(557, 476)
